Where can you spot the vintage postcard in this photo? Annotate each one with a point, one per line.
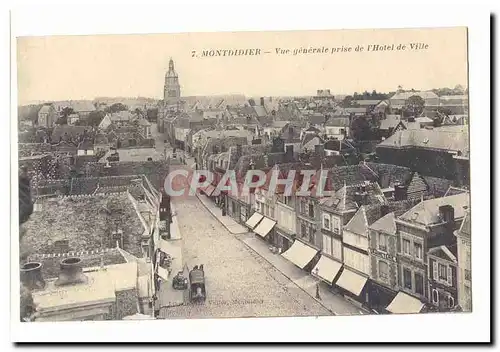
(244, 174)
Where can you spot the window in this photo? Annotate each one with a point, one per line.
(335, 224)
(419, 283)
(382, 242)
(326, 221)
(442, 272)
(383, 270)
(435, 296)
(406, 246)
(303, 230)
(287, 200)
(467, 274)
(407, 279)
(451, 302)
(418, 250)
(311, 210)
(327, 245)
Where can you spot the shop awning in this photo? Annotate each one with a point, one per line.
(404, 303)
(300, 254)
(264, 227)
(326, 269)
(351, 282)
(254, 220)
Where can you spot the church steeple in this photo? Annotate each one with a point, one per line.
(172, 89)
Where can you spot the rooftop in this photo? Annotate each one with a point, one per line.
(135, 154)
(432, 139)
(85, 222)
(427, 212)
(406, 95)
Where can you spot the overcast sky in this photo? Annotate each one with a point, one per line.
(84, 67)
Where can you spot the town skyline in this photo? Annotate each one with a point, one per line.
(84, 67)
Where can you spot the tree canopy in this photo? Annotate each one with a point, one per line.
(414, 106)
(116, 107)
(360, 129)
(95, 118)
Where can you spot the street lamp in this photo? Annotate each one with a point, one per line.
(316, 271)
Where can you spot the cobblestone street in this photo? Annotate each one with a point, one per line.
(239, 282)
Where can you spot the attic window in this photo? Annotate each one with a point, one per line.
(414, 216)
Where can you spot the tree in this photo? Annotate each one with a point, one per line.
(347, 101)
(95, 118)
(414, 106)
(360, 129)
(116, 107)
(63, 118)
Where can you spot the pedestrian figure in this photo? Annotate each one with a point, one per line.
(317, 292)
(157, 283)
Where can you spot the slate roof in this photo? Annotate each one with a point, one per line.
(433, 139)
(427, 212)
(260, 110)
(389, 122)
(344, 198)
(367, 215)
(438, 186)
(317, 119)
(85, 222)
(51, 264)
(448, 253)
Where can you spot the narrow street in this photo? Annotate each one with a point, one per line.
(239, 283)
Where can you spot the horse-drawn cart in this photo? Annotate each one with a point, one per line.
(197, 290)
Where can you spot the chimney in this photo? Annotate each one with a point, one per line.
(31, 276)
(261, 101)
(447, 214)
(360, 198)
(71, 272)
(400, 192)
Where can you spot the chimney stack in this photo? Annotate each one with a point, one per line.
(31, 276)
(71, 272)
(400, 192)
(261, 101)
(447, 213)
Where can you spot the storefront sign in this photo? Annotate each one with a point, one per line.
(383, 255)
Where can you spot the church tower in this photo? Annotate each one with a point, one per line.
(172, 89)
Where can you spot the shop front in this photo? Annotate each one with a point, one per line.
(265, 229)
(403, 303)
(379, 296)
(353, 286)
(302, 255)
(326, 269)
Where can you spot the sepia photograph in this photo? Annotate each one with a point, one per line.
(243, 174)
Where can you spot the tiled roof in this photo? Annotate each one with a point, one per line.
(390, 121)
(389, 174)
(344, 198)
(427, 212)
(438, 186)
(86, 145)
(386, 223)
(51, 263)
(433, 139)
(86, 222)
